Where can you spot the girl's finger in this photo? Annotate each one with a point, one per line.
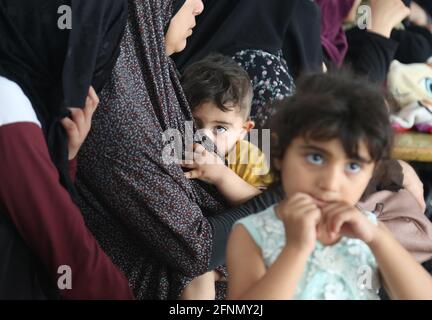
(303, 201)
(305, 208)
(332, 207)
(314, 214)
(339, 220)
(330, 213)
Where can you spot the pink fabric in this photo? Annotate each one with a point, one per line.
(333, 39)
(404, 217)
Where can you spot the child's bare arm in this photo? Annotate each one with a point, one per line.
(210, 168)
(235, 189)
(201, 288)
(403, 277)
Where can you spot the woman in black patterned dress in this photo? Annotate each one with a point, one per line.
(160, 228)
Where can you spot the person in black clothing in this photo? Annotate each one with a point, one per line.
(228, 27)
(371, 51)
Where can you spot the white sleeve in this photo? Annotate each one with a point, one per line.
(14, 105)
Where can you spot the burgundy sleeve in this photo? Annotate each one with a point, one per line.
(47, 219)
(73, 164)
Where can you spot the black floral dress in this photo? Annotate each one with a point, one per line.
(270, 78)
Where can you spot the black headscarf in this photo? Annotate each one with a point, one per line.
(302, 46)
(177, 6)
(228, 26)
(426, 5)
(54, 66)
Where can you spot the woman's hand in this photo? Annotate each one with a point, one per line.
(387, 14)
(301, 217)
(78, 125)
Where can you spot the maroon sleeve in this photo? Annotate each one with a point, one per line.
(73, 164)
(48, 220)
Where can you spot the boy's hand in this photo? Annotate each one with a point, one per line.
(206, 166)
(301, 217)
(343, 220)
(78, 126)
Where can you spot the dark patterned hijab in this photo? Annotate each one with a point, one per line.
(55, 66)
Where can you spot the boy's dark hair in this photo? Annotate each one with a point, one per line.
(328, 106)
(218, 79)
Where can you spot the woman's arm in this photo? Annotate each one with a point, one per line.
(403, 277)
(370, 53)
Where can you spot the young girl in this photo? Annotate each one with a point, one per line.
(316, 243)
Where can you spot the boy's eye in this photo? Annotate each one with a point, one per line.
(353, 167)
(220, 130)
(315, 159)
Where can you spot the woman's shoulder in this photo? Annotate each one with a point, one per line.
(16, 107)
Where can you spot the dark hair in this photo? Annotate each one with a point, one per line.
(218, 79)
(328, 106)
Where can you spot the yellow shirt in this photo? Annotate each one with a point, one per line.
(250, 164)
